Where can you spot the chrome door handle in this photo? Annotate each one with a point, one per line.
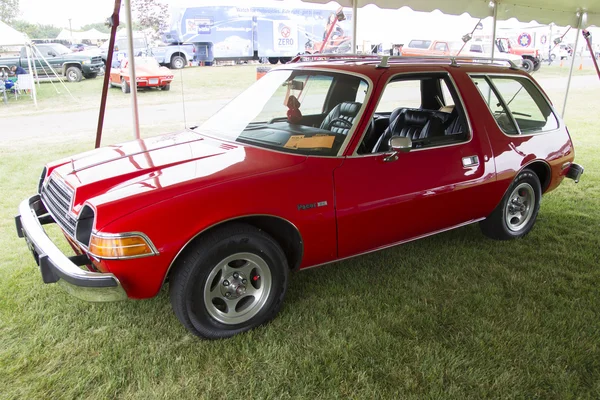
(470, 161)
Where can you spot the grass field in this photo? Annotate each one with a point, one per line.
(451, 316)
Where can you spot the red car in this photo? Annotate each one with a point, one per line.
(148, 72)
(316, 162)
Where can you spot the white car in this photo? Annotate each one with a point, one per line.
(484, 49)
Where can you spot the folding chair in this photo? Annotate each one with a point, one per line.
(24, 83)
(3, 91)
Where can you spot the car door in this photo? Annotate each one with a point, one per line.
(380, 201)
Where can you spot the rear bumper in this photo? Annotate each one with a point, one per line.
(57, 267)
(574, 172)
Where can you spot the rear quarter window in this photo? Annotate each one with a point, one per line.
(517, 104)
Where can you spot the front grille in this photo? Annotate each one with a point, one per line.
(96, 60)
(57, 197)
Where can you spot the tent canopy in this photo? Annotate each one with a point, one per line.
(10, 36)
(561, 12)
(91, 34)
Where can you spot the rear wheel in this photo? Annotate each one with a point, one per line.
(516, 214)
(167, 87)
(124, 86)
(233, 280)
(273, 60)
(537, 66)
(177, 62)
(528, 65)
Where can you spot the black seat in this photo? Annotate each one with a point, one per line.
(414, 124)
(341, 118)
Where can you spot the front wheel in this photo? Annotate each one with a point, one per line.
(516, 214)
(73, 74)
(233, 280)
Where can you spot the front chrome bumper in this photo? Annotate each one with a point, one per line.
(57, 267)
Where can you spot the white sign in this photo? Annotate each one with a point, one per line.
(285, 37)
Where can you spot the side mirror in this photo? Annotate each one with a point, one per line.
(398, 145)
(401, 144)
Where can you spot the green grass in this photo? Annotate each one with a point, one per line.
(451, 316)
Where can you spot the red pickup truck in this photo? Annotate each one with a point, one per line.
(316, 162)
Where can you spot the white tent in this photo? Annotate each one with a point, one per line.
(12, 37)
(76, 36)
(561, 12)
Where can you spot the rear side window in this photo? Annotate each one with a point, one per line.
(517, 104)
(531, 111)
(420, 44)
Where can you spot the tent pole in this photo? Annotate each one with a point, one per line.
(113, 21)
(579, 21)
(131, 69)
(33, 92)
(495, 20)
(354, 24)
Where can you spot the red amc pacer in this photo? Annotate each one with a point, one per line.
(316, 162)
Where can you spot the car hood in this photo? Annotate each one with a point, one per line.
(147, 171)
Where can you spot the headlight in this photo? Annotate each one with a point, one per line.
(127, 245)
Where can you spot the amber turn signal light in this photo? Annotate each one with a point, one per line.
(120, 246)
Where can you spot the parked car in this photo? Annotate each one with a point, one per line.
(81, 47)
(419, 47)
(316, 162)
(149, 74)
(484, 49)
(560, 52)
(73, 66)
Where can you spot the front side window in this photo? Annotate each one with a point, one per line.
(296, 111)
(425, 108)
(441, 47)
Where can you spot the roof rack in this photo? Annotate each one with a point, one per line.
(384, 61)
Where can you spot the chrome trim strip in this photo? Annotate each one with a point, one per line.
(462, 104)
(225, 221)
(395, 244)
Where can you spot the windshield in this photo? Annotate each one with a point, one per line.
(302, 112)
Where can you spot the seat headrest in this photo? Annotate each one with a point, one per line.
(349, 108)
(415, 117)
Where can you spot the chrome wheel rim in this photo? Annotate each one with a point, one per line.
(520, 206)
(237, 288)
(72, 76)
(178, 63)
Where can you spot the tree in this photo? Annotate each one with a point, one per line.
(36, 31)
(151, 15)
(9, 9)
(99, 26)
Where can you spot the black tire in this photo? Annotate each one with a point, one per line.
(177, 62)
(285, 60)
(90, 76)
(167, 87)
(528, 65)
(73, 74)
(552, 57)
(124, 86)
(537, 66)
(189, 281)
(497, 225)
(273, 60)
